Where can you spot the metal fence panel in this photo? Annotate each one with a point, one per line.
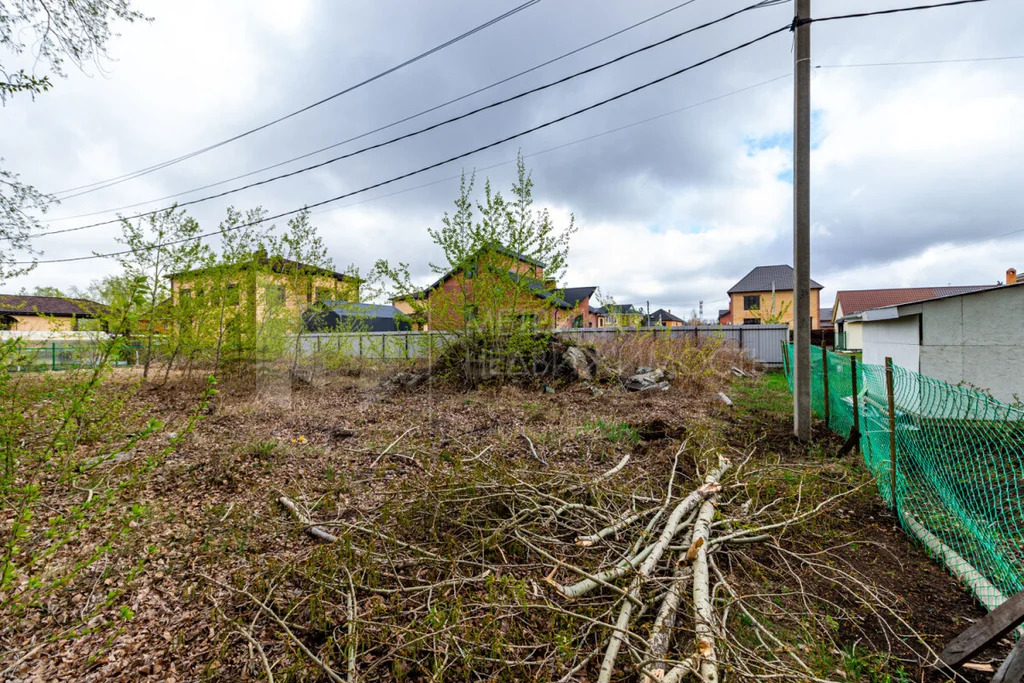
(761, 343)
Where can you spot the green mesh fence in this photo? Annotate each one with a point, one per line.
(959, 464)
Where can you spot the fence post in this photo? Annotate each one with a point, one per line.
(892, 429)
(856, 400)
(824, 380)
(785, 356)
(53, 355)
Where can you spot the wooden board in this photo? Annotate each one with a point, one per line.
(985, 632)
(1012, 670)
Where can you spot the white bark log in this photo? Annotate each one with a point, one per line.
(704, 613)
(672, 526)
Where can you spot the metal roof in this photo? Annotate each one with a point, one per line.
(913, 308)
(857, 300)
(766, 278)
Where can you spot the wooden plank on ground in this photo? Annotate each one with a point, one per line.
(1012, 670)
(985, 632)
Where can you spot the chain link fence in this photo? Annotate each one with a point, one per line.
(949, 459)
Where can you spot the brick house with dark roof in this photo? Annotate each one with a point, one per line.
(450, 302)
(750, 299)
(46, 313)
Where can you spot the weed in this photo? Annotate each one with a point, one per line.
(264, 449)
(616, 432)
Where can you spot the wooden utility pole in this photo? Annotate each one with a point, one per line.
(802, 222)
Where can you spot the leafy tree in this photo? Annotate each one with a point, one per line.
(507, 258)
(771, 316)
(43, 291)
(161, 244)
(55, 32)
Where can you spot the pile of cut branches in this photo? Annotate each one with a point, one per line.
(643, 571)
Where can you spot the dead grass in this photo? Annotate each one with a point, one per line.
(167, 602)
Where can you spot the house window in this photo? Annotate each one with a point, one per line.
(231, 297)
(276, 294)
(577, 322)
(323, 294)
(527, 319)
(472, 312)
(600, 322)
(185, 293)
(752, 301)
(751, 321)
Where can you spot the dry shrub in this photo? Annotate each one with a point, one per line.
(698, 364)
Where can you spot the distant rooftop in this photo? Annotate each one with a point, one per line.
(60, 307)
(857, 300)
(767, 278)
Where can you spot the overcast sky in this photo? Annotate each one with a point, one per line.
(913, 165)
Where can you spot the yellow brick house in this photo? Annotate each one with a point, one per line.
(766, 292)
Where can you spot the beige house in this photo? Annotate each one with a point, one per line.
(20, 313)
(257, 286)
(765, 294)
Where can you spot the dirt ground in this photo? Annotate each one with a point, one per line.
(158, 606)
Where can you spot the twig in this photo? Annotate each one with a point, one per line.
(615, 470)
(284, 626)
(259, 648)
(587, 541)
(390, 446)
(533, 450)
(313, 530)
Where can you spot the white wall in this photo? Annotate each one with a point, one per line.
(854, 335)
(977, 340)
(897, 338)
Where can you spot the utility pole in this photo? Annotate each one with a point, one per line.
(802, 222)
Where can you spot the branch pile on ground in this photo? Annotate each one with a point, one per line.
(639, 572)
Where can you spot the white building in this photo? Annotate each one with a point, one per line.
(972, 338)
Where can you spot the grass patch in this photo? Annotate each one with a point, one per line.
(616, 432)
(768, 393)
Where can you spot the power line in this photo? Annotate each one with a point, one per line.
(895, 10)
(564, 145)
(99, 185)
(414, 133)
(390, 125)
(449, 160)
(927, 61)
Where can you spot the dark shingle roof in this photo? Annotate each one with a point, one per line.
(857, 300)
(825, 315)
(619, 309)
(361, 317)
(574, 295)
(16, 304)
(661, 315)
(761, 279)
